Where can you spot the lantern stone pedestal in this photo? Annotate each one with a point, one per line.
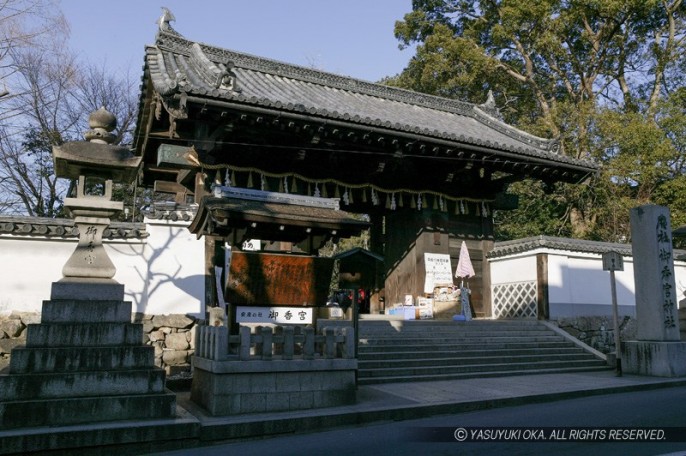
(86, 362)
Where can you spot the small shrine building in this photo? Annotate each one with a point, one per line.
(427, 171)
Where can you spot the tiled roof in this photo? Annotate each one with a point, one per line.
(64, 228)
(171, 211)
(284, 213)
(180, 67)
(501, 249)
(274, 218)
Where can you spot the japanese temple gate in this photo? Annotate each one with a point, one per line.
(428, 171)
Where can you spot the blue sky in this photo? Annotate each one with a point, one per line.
(349, 37)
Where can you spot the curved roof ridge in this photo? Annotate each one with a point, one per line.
(181, 45)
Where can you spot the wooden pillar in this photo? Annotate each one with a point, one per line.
(376, 234)
(543, 304)
(211, 245)
(487, 304)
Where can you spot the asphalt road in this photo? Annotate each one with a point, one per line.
(663, 410)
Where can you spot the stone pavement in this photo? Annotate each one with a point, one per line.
(376, 403)
(403, 401)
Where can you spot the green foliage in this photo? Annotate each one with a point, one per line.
(532, 218)
(603, 76)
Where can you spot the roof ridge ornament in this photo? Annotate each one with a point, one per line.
(164, 20)
(490, 107)
(219, 76)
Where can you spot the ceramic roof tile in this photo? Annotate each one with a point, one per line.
(506, 248)
(268, 83)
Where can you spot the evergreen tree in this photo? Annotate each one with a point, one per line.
(602, 75)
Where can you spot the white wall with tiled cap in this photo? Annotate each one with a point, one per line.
(577, 283)
(162, 273)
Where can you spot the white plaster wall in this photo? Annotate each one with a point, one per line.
(167, 276)
(162, 274)
(28, 267)
(577, 283)
(581, 280)
(680, 281)
(513, 269)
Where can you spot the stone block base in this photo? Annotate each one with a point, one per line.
(83, 371)
(235, 387)
(126, 437)
(87, 289)
(654, 358)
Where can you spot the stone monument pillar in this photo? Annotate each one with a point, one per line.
(86, 361)
(658, 350)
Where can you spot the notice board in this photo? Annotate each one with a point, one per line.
(266, 279)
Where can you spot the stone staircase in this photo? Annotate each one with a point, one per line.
(410, 351)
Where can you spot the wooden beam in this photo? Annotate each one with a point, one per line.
(170, 187)
(176, 156)
(157, 169)
(184, 177)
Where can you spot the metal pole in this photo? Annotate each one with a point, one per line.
(615, 318)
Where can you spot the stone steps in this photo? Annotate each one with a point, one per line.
(484, 366)
(409, 326)
(480, 374)
(434, 347)
(457, 340)
(426, 350)
(473, 357)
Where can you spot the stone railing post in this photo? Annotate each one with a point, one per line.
(288, 342)
(267, 345)
(200, 341)
(349, 344)
(308, 345)
(298, 341)
(244, 348)
(221, 343)
(258, 341)
(329, 343)
(278, 340)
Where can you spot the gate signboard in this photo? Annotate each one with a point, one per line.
(276, 315)
(267, 279)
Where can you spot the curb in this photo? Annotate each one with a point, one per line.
(212, 429)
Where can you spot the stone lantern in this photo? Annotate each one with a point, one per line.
(95, 164)
(86, 362)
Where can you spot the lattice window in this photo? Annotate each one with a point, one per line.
(515, 300)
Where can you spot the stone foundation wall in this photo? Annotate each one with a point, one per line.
(598, 331)
(235, 387)
(173, 337)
